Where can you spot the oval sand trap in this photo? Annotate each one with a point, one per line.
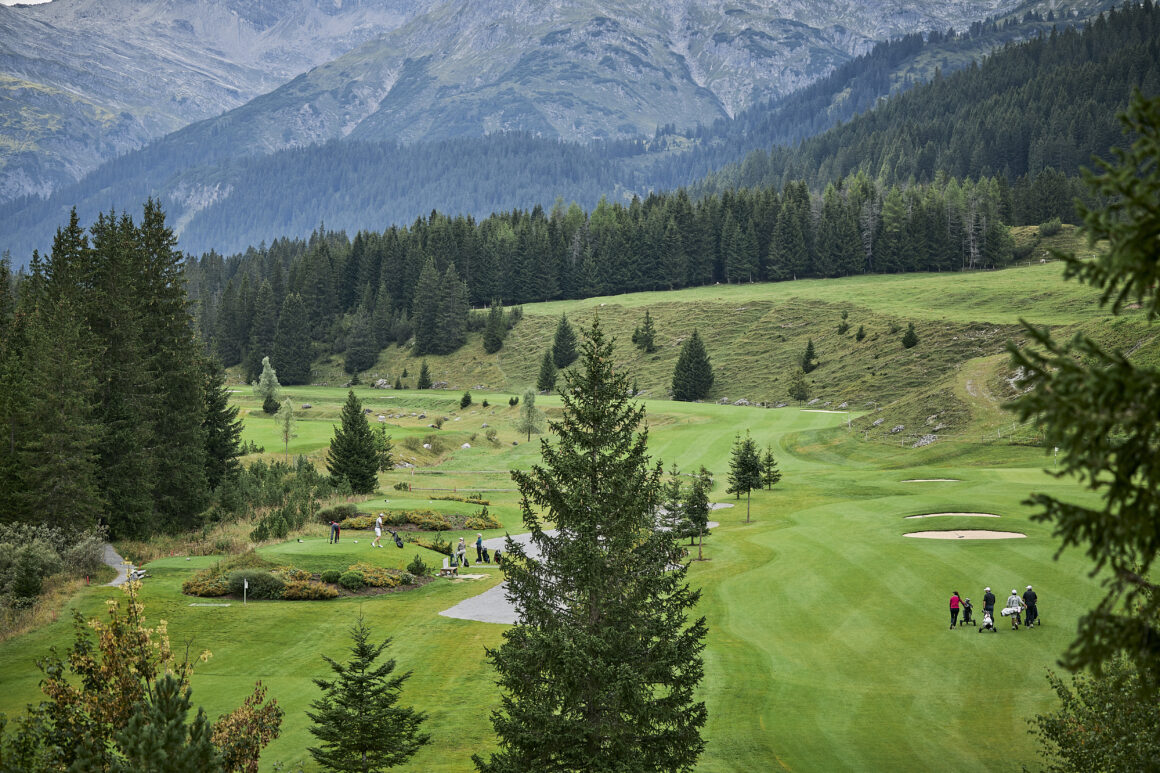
(965, 534)
(931, 480)
(949, 515)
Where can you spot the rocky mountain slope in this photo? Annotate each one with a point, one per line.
(82, 81)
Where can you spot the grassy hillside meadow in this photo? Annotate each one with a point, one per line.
(828, 646)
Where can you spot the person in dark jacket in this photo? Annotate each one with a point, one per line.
(989, 602)
(1030, 599)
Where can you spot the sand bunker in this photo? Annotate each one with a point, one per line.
(965, 534)
(949, 515)
(931, 480)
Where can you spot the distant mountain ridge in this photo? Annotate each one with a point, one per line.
(82, 81)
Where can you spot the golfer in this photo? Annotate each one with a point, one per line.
(954, 609)
(461, 552)
(1015, 603)
(378, 532)
(478, 548)
(989, 603)
(1030, 599)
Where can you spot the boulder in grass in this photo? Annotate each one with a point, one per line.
(896, 429)
(306, 406)
(877, 422)
(465, 446)
(382, 383)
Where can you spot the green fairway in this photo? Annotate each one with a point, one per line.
(828, 645)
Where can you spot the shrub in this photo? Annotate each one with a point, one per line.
(270, 404)
(360, 522)
(406, 578)
(484, 403)
(289, 574)
(352, 581)
(513, 401)
(1051, 227)
(491, 434)
(207, 584)
(481, 521)
(465, 401)
(860, 334)
(33, 562)
(263, 585)
(376, 576)
(339, 513)
(427, 520)
(402, 486)
(331, 575)
(439, 421)
(308, 590)
(418, 568)
(473, 499)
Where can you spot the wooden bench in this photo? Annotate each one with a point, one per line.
(448, 570)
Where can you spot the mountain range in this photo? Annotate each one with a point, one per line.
(90, 80)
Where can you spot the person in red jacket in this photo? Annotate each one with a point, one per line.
(954, 609)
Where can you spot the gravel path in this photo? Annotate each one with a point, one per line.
(492, 605)
(113, 559)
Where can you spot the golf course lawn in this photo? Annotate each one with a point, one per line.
(828, 644)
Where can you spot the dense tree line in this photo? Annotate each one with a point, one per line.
(1041, 107)
(419, 280)
(111, 413)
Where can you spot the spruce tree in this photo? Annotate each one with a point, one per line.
(292, 345)
(531, 419)
(564, 344)
(358, 721)
(909, 338)
(645, 336)
(546, 381)
(157, 737)
(809, 357)
(770, 475)
(352, 455)
(383, 447)
(696, 509)
(451, 317)
(263, 329)
(424, 381)
(798, 388)
(496, 329)
(223, 428)
(425, 309)
(693, 375)
(745, 469)
(603, 611)
(861, 334)
(362, 349)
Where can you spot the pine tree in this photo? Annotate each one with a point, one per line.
(603, 625)
(223, 428)
(383, 447)
(546, 381)
(362, 350)
(358, 721)
(645, 336)
(263, 329)
(745, 469)
(693, 375)
(157, 737)
(424, 381)
(352, 455)
(861, 334)
(809, 357)
(292, 346)
(496, 329)
(696, 508)
(425, 309)
(564, 344)
(770, 475)
(451, 317)
(909, 338)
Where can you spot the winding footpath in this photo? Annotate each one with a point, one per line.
(112, 558)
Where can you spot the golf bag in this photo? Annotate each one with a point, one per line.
(486, 557)
(968, 618)
(988, 622)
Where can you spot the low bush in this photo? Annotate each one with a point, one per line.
(352, 581)
(207, 585)
(418, 568)
(331, 575)
(406, 578)
(376, 576)
(402, 486)
(428, 520)
(338, 513)
(359, 522)
(289, 574)
(471, 499)
(481, 521)
(1051, 227)
(308, 590)
(262, 584)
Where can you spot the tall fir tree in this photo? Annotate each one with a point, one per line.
(424, 381)
(809, 357)
(353, 456)
(546, 380)
(603, 612)
(292, 347)
(263, 329)
(362, 349)
(644, 337)
(495, 330)
(358, 721)
(425, 309)
(770, 474)
(693, 374)
(564, 344)
(223, 428)
(745, 469)
(451, 318)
